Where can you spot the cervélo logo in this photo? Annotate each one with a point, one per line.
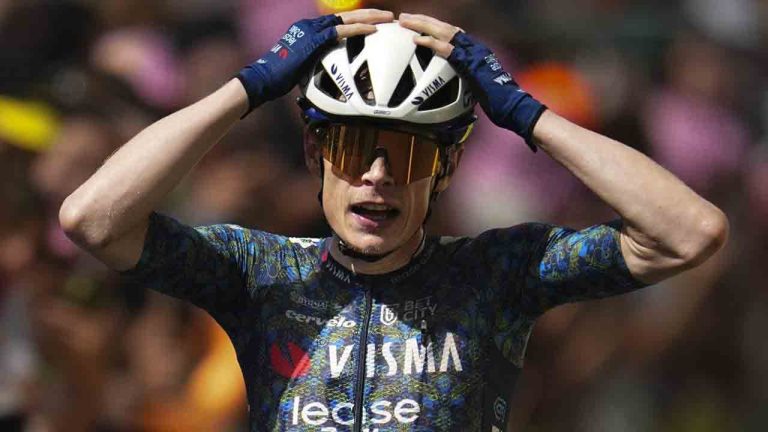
(337, 321)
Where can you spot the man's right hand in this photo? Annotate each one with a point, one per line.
(275, 73)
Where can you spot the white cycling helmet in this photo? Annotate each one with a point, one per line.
(386, 77)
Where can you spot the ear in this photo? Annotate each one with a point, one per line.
(312, 153)
(453, 158)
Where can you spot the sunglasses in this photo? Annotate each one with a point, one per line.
(352, 148)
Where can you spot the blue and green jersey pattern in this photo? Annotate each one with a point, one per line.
(434, 346)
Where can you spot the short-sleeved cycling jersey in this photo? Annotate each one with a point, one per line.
(434, 346)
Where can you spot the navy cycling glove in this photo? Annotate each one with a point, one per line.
(276, 72)
(505, 103)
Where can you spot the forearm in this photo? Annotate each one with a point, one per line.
(134, 180)
(668, 225)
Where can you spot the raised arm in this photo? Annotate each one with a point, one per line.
(108, 215)
(667, 227)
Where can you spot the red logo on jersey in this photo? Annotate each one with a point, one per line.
(295, 366)
(283, 53)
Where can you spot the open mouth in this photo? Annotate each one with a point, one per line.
(375, 212)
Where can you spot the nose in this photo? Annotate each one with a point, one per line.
(378, 173)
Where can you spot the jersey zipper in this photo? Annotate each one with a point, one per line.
(361, 363)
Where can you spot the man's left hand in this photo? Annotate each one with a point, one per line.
(505, 103)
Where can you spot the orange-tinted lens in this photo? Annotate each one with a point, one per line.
(353, 148)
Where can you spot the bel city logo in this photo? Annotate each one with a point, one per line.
(409, 311)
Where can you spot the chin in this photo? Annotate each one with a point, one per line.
(369, 244)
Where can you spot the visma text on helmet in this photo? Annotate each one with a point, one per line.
(341, 82)
(429, 90)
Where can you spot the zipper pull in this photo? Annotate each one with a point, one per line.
(425, 337)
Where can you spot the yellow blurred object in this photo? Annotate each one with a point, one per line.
(28, 125)
(332, 6)
(214, 396)
(562, 89)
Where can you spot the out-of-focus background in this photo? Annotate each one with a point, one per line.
(683, 81)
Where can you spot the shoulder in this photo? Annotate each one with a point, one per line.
(230, 237)
(511, 245)
(520, 236)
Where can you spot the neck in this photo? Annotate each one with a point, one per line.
(393, 261)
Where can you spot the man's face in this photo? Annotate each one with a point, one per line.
(371, 213)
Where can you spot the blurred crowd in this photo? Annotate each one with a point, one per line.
(685, 82)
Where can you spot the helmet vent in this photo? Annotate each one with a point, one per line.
(424, 55)
(446, 95)
(355, 46)
(324, 82)
(404, 88)
(364, 85)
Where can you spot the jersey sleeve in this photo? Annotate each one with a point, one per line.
(568, 265)
(530, 268)
(207, 265)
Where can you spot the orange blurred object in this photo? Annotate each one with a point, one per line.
(214, 397)
(333, 6)
(562, 89)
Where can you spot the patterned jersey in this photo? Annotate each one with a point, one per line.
(434, 346)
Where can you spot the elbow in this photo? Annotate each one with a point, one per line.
(711, 236)
(75, 223)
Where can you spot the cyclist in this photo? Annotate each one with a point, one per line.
(380, 327)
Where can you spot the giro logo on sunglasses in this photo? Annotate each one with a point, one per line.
(433, 87)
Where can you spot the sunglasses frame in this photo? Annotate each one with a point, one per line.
(325, 134)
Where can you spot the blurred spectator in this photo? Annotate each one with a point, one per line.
(683, 81)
